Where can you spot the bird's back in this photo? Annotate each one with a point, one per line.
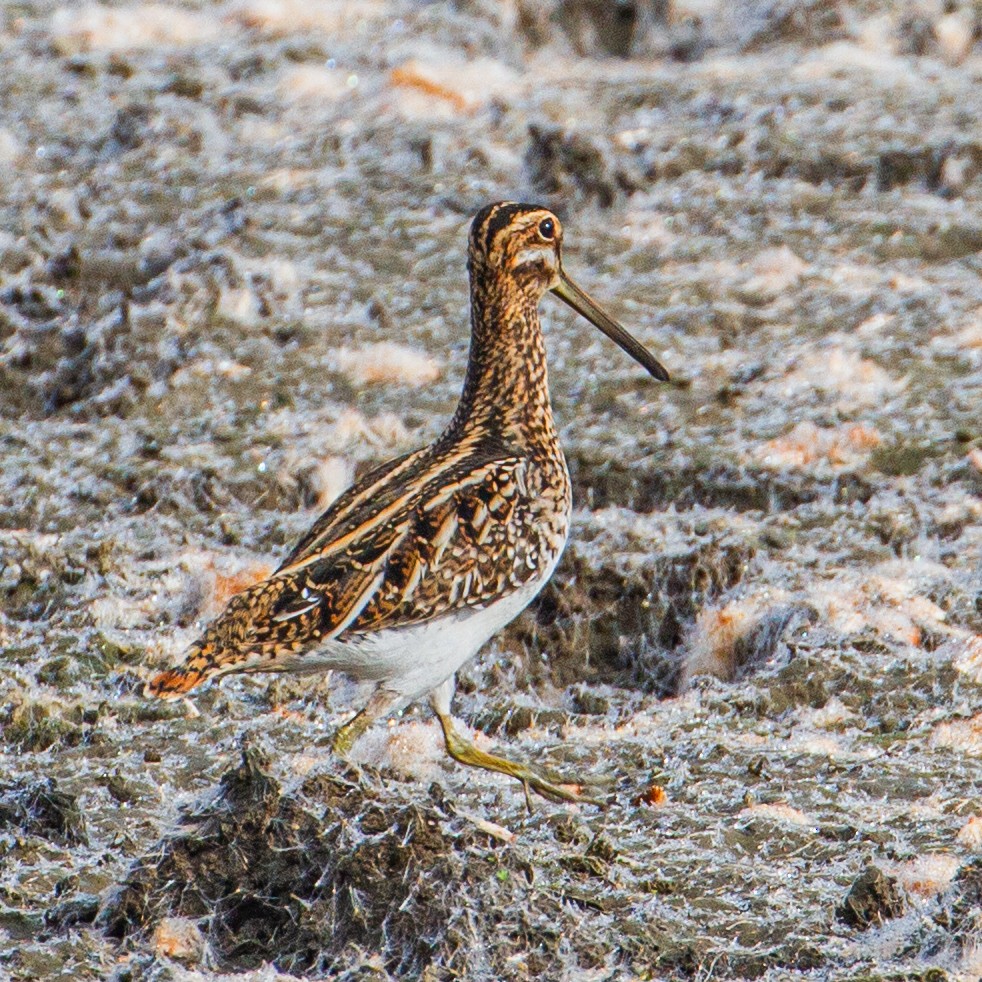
(454, 527)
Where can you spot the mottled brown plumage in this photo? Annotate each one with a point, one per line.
(404, 577)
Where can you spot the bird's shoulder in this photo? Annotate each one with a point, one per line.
(427, 534)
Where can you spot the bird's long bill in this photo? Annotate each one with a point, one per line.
(587, 307)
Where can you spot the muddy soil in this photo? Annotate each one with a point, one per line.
(232, 278)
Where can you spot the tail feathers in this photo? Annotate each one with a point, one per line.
(172, 683)
(229, 644)
(202, 662)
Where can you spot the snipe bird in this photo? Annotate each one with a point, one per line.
(410, 571)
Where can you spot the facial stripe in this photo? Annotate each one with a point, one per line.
(479, 225)
(498, 221)
(536, 254)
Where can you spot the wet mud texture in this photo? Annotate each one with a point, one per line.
(232, 278)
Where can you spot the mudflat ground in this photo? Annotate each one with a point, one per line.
(232, 277)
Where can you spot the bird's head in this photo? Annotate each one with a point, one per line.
(521, 245)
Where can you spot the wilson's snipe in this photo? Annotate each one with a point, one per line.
(410, 571)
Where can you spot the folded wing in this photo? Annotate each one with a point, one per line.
(424, 534)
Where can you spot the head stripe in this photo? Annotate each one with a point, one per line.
(493, 219)
(499, 220)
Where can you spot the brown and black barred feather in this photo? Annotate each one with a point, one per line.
(438, 530)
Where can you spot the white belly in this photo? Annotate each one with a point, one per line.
(413, 660)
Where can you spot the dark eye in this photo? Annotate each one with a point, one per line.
(547, 229)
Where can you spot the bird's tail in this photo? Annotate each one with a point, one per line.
(229, 644)
(201, 663)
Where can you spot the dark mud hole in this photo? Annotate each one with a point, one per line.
(763, 629)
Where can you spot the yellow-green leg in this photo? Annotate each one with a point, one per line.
(380, 703)
(465, 752)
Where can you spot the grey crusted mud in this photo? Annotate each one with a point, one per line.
(304, 879)
(307, 879)
(624, 622)
(216, 221)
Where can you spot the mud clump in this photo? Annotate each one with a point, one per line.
(306, 880)
(566, 164)
(97, 369)
(594, 28)
(873, 898)
(959, 917)
(31, 726)
(41, 808)
(610, 624)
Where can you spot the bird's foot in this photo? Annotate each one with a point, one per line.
(532, 779)
(377, 706)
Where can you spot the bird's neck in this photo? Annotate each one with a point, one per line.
(506, 391)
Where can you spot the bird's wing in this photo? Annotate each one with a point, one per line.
(466, 544)
(429, 532)
(429, 535)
